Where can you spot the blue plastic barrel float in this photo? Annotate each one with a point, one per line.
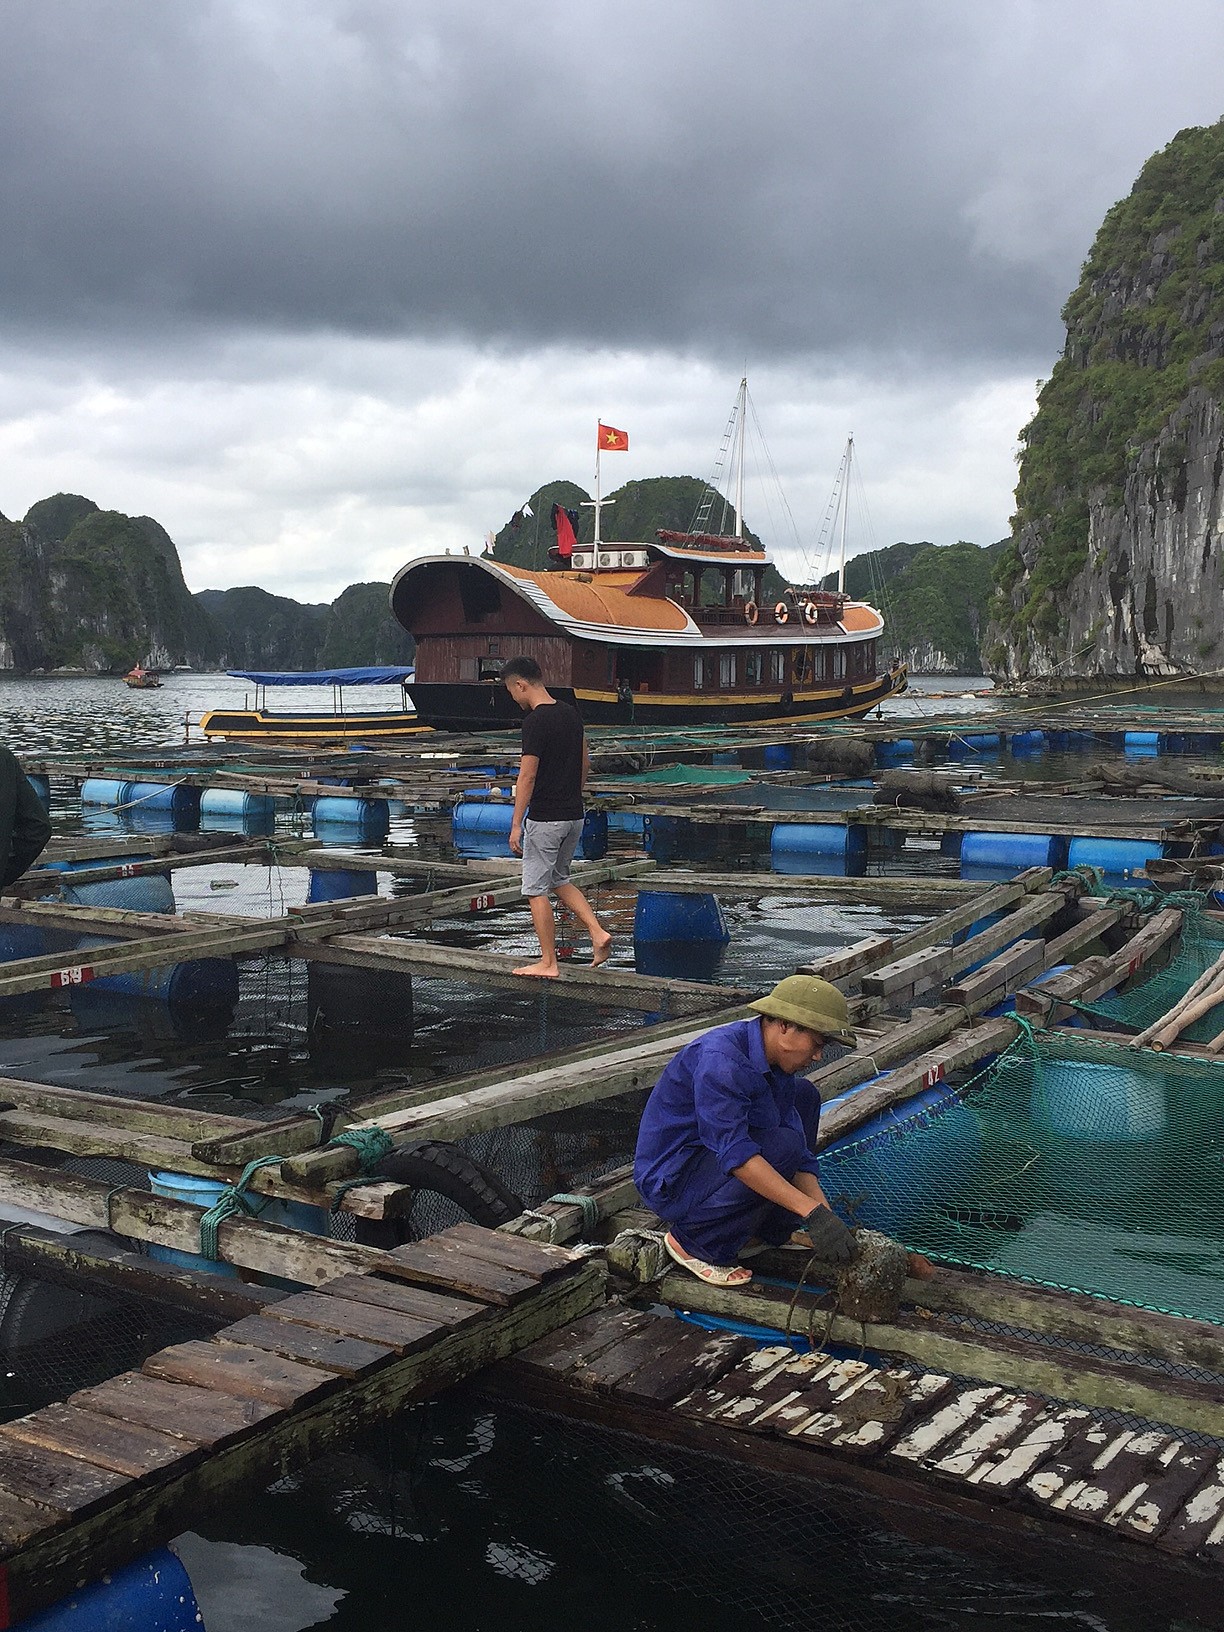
(903, 1179)
(231, 810)
(181, 803)
(195, 983)
(154, 1594)
(1141, 744)
(976, 742)
(1026, 743)
(1011, 851)
(42, 787)
(814, 847)
(479, 828)
(627, 821)
(201, 1192)
(892, 753)
(678, 935)
(104, 790)
(1119, 857)
(339, 883)
(148, 892)
(339, 820)
(779, 756)
(725, 756)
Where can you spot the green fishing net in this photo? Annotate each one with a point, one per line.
(1145, 999)
(1081, 1165)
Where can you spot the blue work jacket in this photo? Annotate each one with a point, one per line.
(718, 1095)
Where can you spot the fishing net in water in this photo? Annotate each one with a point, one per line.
(1143, 1002)
(1080, 1165)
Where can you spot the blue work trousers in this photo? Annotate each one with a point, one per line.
(714, 1216)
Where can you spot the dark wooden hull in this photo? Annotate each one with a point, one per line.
(257, 725)
(486, 705)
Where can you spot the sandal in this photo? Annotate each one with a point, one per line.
(712, 1274)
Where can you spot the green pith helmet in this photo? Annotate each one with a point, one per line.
(806, 1000)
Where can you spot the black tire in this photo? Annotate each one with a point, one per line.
(447, 1171)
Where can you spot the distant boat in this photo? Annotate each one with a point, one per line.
(142, 679)
(341, 726)
(673, 631)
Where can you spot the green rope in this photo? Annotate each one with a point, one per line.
(231, 1200)
(588, 1205)
(372, 1146)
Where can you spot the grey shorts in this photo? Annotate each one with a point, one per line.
(548, 849)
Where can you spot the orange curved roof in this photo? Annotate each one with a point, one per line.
(855, 619)
(604, 600)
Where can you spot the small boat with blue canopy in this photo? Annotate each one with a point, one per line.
(255, 722)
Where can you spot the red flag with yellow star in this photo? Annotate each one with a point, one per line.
(610, 440)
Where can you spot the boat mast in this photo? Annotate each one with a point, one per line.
(741, 409)
(841, 571)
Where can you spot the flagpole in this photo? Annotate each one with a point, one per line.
(597, 430)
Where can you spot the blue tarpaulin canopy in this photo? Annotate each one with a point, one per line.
(328, 677)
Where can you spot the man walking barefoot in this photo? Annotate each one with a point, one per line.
(547, 821)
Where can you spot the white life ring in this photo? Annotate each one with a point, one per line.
(811, 612)
(751, 612)
(781, 612)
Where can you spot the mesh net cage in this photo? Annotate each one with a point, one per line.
(518, 1518)
(1082, 1165)
(1145, 1000)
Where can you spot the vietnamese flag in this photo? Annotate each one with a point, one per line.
(611, 440)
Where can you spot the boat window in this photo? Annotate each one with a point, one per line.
(699, 673)
(467, 668)
(777, 668)
(839, 663)
(726, 669)
(491, 668)
(752, 668)
(803, 666)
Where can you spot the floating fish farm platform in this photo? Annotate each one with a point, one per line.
(1040, 1059)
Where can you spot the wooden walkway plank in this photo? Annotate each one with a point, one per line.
(53, 1479)
(563, 1351)
(425, 1304)
(434, 1262)
(20, 1520)
(247, 1374)
(1199, 1518)
(696, 1359)
(390, 1328)
(329, 1351)
(123, 1447)
(197, 1415)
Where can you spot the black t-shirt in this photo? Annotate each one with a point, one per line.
(553, 733)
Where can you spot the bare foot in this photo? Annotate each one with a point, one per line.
(548, 970)
(601, 948)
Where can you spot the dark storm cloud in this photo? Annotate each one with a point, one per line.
(769, 176)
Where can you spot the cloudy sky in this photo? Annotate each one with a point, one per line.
(325, 284)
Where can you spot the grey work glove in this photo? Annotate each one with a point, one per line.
(831, 1241)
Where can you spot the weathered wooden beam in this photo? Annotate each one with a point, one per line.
(908, 893)
(921, 970)
(999, 977)
(92, 1263)
(1051, 1002)
(966, 1048)
(1072, 1317)
(155, 1116)
(615, 987)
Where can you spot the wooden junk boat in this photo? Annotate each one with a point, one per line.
(342, 725)
(628, 632)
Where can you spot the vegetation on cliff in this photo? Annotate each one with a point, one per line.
(1145, 330)
(934, 598)
(87, 588)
